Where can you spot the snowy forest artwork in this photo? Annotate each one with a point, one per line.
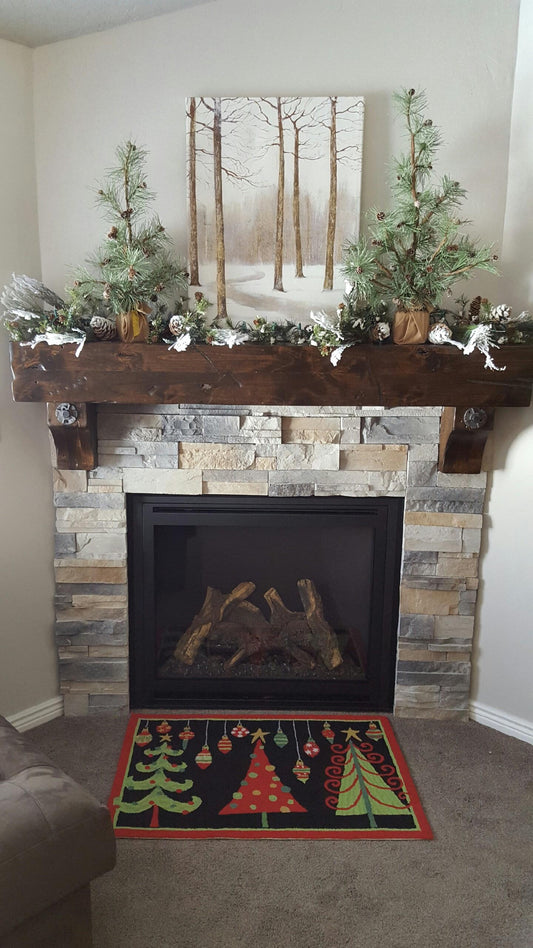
(273, 194)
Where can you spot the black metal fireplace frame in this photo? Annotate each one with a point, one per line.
(375, 693)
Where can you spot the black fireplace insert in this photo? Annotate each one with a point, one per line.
(263, 601)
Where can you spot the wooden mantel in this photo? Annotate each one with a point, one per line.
(388, 375)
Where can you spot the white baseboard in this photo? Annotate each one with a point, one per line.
(39, 714)
(500, 721)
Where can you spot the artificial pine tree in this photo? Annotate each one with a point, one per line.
(415, 252)
(134, 266)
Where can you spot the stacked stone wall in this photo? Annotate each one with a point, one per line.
(271, 451)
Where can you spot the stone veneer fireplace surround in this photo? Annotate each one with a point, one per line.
(270, 451)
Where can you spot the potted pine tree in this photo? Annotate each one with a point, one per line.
(415, 252)
(133, 267)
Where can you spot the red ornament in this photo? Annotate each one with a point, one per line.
(224, 745)
(204, 758)
(327, 732)
(163, 728)
(301, 771)
(374, 732)
(311, 748)
(240, 730)
(186, 734)
(144, 737)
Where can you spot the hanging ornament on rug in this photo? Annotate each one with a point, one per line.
(143, 737)
(374, 731)
(280, 738)
(327, 732)
(224, 745)
(439, 334)
(311, 747)
(186, 735)
(240, 730)
(301, 771)
(203, 757)
(164, 729)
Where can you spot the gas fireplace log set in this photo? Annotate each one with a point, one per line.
(235, 624)
(391, 376)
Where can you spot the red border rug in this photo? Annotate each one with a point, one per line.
(258, 776)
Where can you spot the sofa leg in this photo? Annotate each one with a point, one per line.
(66, 924)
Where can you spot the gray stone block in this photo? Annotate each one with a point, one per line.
(467, 608)
(103, 632)
(442, 668)
(445, 500)
(431, 678)
(182, 428)
(218, 428)
(418, 627)
(91, 589)
(64, 544)
(400, 430)
(104, 501)
(419, 563)
(291, 490)
(108, 702)
(103, 669)
(420, 473)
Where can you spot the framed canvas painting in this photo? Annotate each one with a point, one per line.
(274, 190)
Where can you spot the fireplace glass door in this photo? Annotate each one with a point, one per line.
(263, 601)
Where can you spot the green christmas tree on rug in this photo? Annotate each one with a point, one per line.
(162, 761)
(363, 790)
(261, 791)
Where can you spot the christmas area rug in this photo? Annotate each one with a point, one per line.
(258, 776)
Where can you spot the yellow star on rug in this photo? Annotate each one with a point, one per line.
(259, 735)
(351, 734)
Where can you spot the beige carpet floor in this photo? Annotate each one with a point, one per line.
(471, 887)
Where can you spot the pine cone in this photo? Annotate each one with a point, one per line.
(103, 328)
(475, 307)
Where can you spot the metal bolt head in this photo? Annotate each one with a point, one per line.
(475, 418)
(66, 413)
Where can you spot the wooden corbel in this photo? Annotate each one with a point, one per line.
(73, 429)
(463, 435)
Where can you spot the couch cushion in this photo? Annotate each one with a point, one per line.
(54, 836)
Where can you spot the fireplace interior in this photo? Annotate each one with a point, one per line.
(263, 601)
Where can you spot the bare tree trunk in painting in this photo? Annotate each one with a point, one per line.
(219, 210)
(332, 208)
(299, 270)
(194, 276)
(280, 213)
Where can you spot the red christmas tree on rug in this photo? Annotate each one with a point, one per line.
(261, 791)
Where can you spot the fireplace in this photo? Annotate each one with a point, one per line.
(263, 601)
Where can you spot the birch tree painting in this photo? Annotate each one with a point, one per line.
(274, 189)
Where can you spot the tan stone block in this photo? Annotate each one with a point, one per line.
(98, 687)
(254, 488)
(432, 602)
(424, 518)
(89, 519)
(108, 651)
(457, 566)
(79, 562)
(90, 574)
(265, 464)
(99, 545)
(74, 651)
(89, 613)
(95, 488)
(416, 655)
(454, 627)
(227, 457)
(458, 656)
(472, 583)
(83, 601)
(69, 481)
(374, 457)
(433, 538)
(75, 705)
(310, 430)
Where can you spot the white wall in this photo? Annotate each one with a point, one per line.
(28, 674)
(92, 92)
(504, 659)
